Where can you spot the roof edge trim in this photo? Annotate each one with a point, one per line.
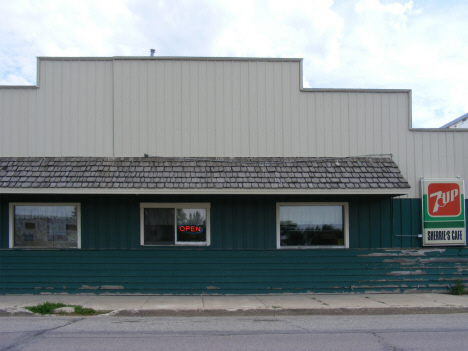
(175, 58)
(212, 191)
(357, 90)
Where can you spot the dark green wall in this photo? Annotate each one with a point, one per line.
(3, 222)
(195, 271)
(237, 222)
(242, 258)
(110, 222)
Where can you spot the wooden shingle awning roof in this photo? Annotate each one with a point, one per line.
(151, 175)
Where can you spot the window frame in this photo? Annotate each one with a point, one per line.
(176, 206)
(12, 224)
(345, 206)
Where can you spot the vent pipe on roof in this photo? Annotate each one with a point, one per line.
(152, 51)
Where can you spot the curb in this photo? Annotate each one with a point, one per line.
(288, 312)
(19, 312)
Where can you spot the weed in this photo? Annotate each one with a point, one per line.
(49, 307)
(45, 308)
(84, 311)
(275, 307)
(458, 288)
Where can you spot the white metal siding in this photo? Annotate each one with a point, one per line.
(218, 108)
(70, 114)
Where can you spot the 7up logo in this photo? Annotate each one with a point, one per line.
(444, 199)
(443, 212)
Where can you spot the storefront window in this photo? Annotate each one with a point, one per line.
(44, 225)
(312, 225)
(175, 224)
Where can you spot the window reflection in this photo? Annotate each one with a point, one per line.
(171, 226)
(191, 225)
(312, 225)
(45, 226)
(159, 226)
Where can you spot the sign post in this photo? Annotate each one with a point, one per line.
(443, 212)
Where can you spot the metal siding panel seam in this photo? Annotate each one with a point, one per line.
(202, 125)
(244, 118)
(222, 111)
(278, 108)
(261, 110)
(269, 109)
(253, 109)
(212, 128)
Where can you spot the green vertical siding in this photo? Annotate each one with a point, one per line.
(406, 223)
(4, 231)
(242, 257)
(243, 222)
(375, 226)
(364, 223)
(354, 229)
(386, 222)
(237, 222)
(110, 223)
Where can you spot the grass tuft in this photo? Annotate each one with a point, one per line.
(45, 308)
(458, 288)
(48, 307)
(84, 311)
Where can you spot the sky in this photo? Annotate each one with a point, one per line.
(420, 45)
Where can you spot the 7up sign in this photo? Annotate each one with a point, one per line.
(443, 212)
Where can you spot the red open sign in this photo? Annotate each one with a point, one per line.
(191, 229)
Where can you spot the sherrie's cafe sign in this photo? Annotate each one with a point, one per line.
(443, 212)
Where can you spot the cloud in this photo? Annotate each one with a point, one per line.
(396, 44)
(282, 29)
(59, 28)
(420, 45)
(178, 28)
(394, 8)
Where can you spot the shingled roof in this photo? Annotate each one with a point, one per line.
(226, 175)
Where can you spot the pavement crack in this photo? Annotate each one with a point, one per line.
(321, 302)
(203, 302)
(144, 303)
(38, 333)
(261, 302)
(382, 341)
(297, 326)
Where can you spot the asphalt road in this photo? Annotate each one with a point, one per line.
(378, 332)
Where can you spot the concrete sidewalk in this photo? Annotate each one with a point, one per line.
(208, 305)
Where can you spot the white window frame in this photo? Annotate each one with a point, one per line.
(175, 206)
(345, 224)
(12, 224)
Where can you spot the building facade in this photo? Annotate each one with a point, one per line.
(218, 176)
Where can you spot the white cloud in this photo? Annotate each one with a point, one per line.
(59, 28)
(12, 79)
(403, 45)
(346, 44)
(283, 29)
(394, 8)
